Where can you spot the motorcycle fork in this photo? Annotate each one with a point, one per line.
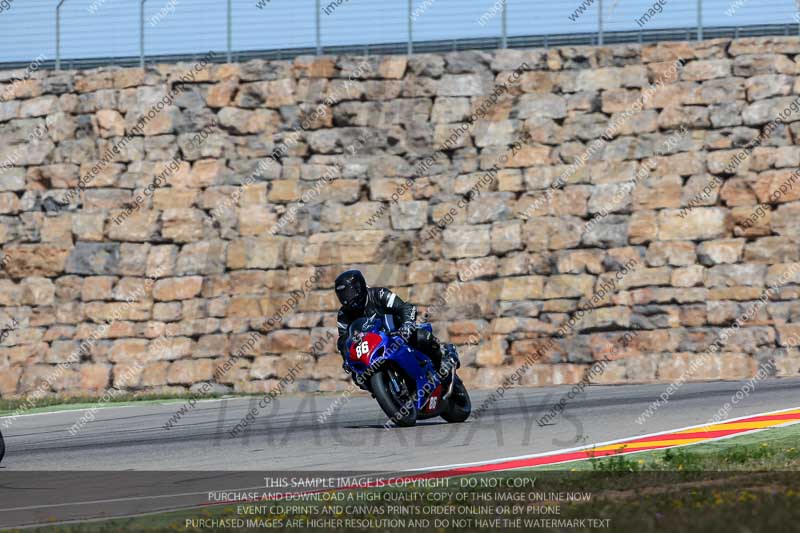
(393, 381)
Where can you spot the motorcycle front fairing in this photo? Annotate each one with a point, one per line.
(375, 347)
(418, 366)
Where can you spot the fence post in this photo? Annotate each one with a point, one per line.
(699, 20)
(410, 28)
(141, 33)
(600, 22)
(230, 29)
(319, 29)
(797, 14)
(58, 34)
(505, 24)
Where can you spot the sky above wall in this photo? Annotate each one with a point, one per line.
(102, 28)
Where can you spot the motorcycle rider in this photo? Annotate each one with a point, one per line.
(359, 300)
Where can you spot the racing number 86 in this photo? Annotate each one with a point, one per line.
(362, 348)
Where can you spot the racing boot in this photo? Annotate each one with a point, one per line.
(452, 354)
(449, 363)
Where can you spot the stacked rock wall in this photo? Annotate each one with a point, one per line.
(633, 210)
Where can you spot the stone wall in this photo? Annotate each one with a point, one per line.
(629, 207)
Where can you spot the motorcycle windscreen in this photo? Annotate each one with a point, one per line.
(361, 351)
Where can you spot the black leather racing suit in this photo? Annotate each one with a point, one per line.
(382, 301)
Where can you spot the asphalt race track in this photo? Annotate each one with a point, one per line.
(289, 436)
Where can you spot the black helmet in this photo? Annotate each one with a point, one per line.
(351, 289)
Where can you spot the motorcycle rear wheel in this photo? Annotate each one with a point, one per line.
(2, 447)
(397, 405)
(459, 406)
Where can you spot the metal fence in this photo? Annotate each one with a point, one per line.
(85, 33)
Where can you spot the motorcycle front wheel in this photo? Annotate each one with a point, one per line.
(391, 391)
(2, 447)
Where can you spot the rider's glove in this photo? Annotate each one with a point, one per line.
(406, 330)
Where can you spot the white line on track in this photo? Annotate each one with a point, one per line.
(618, 441)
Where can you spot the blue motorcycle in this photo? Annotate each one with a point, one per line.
(403, 380)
